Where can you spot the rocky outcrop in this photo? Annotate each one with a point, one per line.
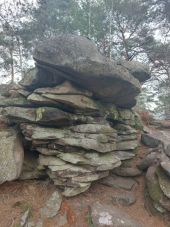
(11, 155)
(157, 166)
(77, 59)
(75, 115)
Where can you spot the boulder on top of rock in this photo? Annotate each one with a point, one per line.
(137, 69)
(78, 60)
(11, 155)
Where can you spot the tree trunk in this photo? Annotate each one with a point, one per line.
(89, 19)
(12, 66)
(127, 57)
(110, 32)
(20, 57)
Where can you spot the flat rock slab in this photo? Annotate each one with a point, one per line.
(148, 160)
(72, 101)
(16, 101)
(127, 145)
(127, 171)
(167, 150)
(66, 88)
(166, 167)
(80, 62)
(52, 206)
(100, 138)
(43, 116)
(100, 162)
(11, 155)
(119, 182)
(73, 191)
(164, 182)
(149, 140)
(107, 215)
(124, 155)
(154, 189)
(125, 199)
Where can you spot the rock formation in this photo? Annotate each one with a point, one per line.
(74, 113)
(157, 167)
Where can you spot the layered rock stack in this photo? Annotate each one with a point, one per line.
(74, 111)
(157, 167)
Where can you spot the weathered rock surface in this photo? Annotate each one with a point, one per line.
(127, 171)
(149, 160)
(167, 150)
(89, 69)
(65, 88)
(154, 189)
(11, 155)
(149, 140)
(138, 70)
(52, 206)
(102, 138)
(124, 155)
(119, 182)
(127, 145)
(164, 182)
(166, 167)
(125, 199)
(30, 169)
(36, 77)
(107, 215)
(100, 161)
(16, 101)
(44, 116)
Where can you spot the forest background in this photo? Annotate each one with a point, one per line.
(129, 29)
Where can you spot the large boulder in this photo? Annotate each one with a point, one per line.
(78, 60)
(11, 155)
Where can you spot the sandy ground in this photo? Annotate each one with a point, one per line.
(16, 197)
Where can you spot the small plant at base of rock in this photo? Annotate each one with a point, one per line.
(89, 218)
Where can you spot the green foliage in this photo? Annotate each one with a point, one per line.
(89, 219)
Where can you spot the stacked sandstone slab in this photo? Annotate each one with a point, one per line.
(74, 113)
